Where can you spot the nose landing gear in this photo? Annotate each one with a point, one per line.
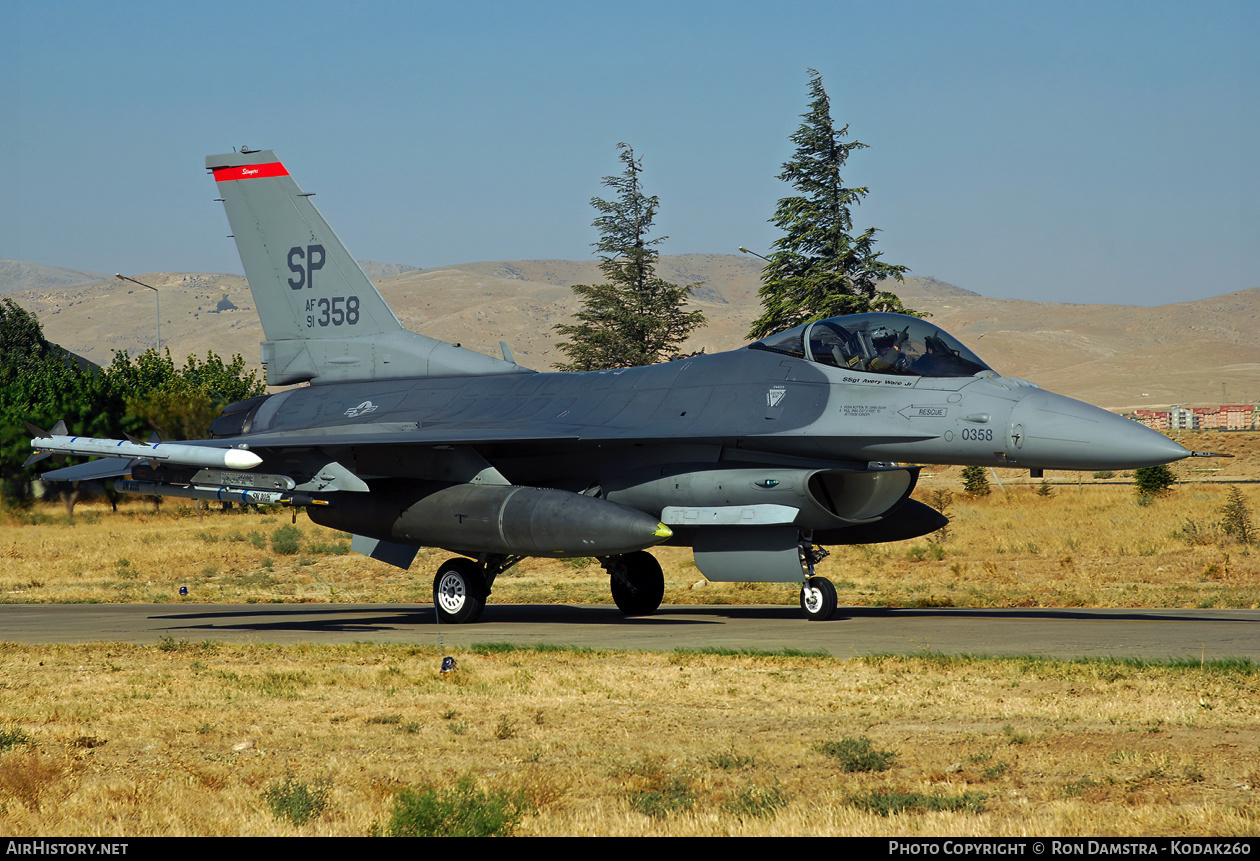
(818, 595)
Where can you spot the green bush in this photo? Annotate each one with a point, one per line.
(888, 802)
(922, 554)
(856, 753)
(676, 794)
(294, 801)
(753, 801)
(1153, 481)
(463, 811)
(330, 548)
(12, 737)
(286, 540)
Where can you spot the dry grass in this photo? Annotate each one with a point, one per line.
(1087, 545)
(186, 739)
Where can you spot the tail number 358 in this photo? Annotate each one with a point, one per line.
(335, 311)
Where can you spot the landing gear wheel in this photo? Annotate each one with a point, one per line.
(637, 583)
(818, 599)
(459, 593)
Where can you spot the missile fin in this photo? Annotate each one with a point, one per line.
(36, 458)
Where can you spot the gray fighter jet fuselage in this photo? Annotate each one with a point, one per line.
(754, 457)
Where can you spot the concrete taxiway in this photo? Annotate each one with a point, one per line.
(1059, 633)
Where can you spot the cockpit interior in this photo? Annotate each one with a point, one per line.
(878, 343)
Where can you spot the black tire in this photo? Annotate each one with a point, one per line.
(641, 586)
(818, 599)
(459, 592)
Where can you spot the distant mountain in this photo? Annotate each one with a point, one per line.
(16, 275)
(382, 270)
(1118, 356)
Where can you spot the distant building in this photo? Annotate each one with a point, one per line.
(1153, 419)
(1207, 418)
(1238, 416)
(1225, 417)
(1181, 418)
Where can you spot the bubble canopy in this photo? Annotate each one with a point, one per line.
(878, 344)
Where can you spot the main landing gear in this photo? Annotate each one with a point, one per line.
(636, 582)
(462, 585)
(459, 591)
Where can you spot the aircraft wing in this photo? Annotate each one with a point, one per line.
(378, 434)
(382, 434)
(458, 433)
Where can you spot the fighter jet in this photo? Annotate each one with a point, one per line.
(754, 458)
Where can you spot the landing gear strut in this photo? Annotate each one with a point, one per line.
(636, 582)
(818, 595)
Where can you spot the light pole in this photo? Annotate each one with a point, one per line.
(157, 309)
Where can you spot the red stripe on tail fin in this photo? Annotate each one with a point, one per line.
(250, 171)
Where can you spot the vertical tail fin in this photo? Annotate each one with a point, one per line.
(323, 318)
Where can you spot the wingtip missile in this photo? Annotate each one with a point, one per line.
(53, 443)
(36, 431)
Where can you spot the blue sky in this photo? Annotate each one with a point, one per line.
(1075, 151)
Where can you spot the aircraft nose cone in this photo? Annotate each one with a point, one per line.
(1050, 431)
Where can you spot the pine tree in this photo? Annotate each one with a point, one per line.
(1236, 522)
(21, 337)
(819, 269)
(975, 482)
(634, 318)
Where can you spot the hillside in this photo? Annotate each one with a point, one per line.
(1117, 356)
(16, 276)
